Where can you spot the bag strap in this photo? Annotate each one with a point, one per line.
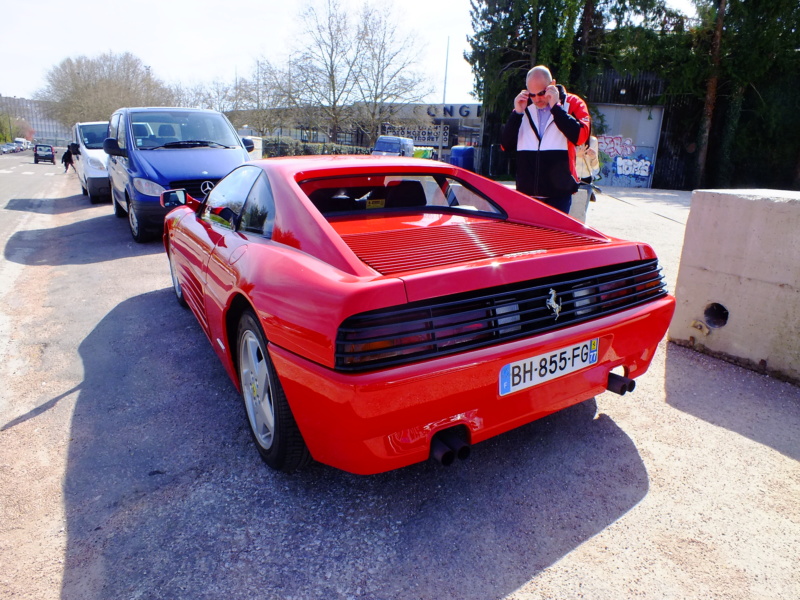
(530, 120)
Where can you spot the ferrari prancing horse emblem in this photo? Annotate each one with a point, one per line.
(553, 304)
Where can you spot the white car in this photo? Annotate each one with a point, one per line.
(91, 163)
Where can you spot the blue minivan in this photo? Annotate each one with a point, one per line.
(155, 149)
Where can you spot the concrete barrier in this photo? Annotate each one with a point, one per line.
(738, 287)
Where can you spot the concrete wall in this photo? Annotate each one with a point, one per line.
(738, 288)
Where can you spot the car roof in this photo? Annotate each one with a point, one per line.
(161, 108)
(304, 167)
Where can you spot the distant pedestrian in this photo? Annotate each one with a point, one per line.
(543, 129)
(67, 160)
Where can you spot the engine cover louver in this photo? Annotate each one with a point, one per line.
(404, 250)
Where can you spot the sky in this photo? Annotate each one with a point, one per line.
(197, 41)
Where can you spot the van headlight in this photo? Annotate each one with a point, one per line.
(147, 187)
(96, 164)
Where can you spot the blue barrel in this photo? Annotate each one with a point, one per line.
(463, 156)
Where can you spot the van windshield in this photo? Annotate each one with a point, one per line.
(385, 145)
(93, 135)
(181, 128)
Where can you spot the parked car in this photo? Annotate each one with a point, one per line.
(91, 162)
(8, 148)
(374, 312)
(391, 145)
(44, 153)
(154, 149)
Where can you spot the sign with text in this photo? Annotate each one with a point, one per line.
(422, 136)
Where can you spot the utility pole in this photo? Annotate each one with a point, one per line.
(444, 97)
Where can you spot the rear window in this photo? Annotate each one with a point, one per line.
(43, 149)
(388, 192)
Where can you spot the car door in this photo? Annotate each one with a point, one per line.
(211, 231)
(117, 165)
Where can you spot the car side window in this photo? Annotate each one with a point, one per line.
(230, 193)
(259, 210)
(122, 139)
(113, 126)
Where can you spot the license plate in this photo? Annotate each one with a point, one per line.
(528, 372)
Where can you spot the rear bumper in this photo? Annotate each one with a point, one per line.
(98, 186)
(374, 422)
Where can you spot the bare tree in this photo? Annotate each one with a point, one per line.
(266, 96)
(386, 81)
(324, 69)
(190, 96)
(90, 89)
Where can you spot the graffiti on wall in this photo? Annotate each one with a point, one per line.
(622, 164)
(615, 145)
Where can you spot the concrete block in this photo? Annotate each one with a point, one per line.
(738, 288)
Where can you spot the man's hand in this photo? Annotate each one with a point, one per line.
(521, 102)
(552, 94)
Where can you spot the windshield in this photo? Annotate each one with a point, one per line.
(93, 135)
(181, 128)
(375, 193)
(384, 145)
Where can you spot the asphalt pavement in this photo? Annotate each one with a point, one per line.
(127, 470)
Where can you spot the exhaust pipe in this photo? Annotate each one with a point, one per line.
(456, 443)
(447, 445)
(442, 452)
(619, 384)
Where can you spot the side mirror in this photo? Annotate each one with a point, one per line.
(248, 144)
(111, 147)
(74, 148)
(173, 198)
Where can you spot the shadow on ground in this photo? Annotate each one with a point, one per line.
(51, 206)
(758, 407)
(166, 498)
(84, 242)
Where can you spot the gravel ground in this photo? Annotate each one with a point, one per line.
(126, 469)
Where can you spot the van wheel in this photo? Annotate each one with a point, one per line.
(118, 212)
(137, 228)
(85, 192)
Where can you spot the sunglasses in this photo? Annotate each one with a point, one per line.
(540, 94)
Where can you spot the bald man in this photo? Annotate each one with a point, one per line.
(544, 128)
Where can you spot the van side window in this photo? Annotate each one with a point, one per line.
(113, 127)
(258, 215)
(122, 138)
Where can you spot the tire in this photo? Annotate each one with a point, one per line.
(272, 426)
(36, 161)
(137, 228)
(176, 285)
(118, 211)
(85, 192)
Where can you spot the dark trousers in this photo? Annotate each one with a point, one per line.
(562, 203)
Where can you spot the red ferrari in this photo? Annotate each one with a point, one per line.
(375, 312)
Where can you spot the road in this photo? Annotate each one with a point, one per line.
(127, 471)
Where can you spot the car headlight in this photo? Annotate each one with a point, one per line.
(97, 164)
(147, 187)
